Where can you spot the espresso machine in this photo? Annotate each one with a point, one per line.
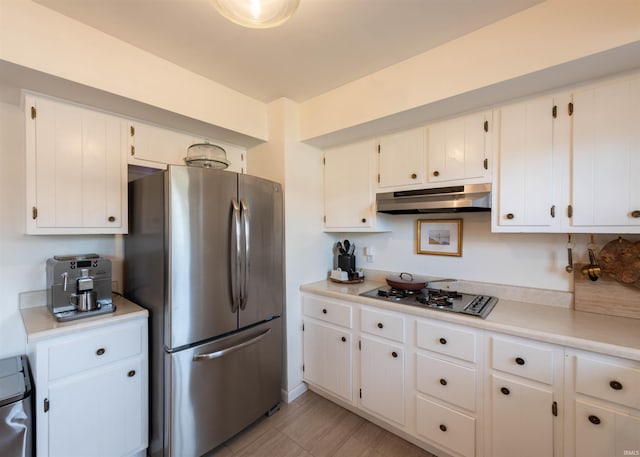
(79, 286)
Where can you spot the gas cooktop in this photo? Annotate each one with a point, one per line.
(443, 300)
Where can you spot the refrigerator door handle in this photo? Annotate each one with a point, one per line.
(225, 351)
(244, 292)
(236, 256)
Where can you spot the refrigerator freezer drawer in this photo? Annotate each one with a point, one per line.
(219, 388)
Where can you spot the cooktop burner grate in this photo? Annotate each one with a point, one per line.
(444, 300)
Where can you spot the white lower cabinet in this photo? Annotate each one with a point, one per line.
(521, 422)
(445, 426)
(93, 401)
(523, 396)
(327, 358)
(382, 363)
(327, 345)
(382, 379)
(604, 397)
(446, 386)
(464, 391)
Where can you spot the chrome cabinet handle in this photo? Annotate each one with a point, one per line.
(229, 350)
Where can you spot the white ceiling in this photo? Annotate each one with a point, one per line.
(326, 44)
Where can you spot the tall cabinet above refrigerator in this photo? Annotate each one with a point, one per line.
(205, 255)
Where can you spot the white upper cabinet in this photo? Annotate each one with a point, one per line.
(606, 156)
(401, 160)
(156, 147)
(76, 169)
(569, 163)
(458, 150)
(349, 189)
(529, 168)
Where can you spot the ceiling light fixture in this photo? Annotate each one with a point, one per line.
(257, 14)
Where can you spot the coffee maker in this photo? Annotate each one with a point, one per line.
(79, 286)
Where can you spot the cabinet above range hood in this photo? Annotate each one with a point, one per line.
(453, 199)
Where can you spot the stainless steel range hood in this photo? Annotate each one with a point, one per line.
(454, 199)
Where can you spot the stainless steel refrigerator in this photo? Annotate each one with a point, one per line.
(204, 255)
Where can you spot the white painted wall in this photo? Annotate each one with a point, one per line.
(23, 257)
(544, 36)
(519, 259)
(38, 38)
(299, 168)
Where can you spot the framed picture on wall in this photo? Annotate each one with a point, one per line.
(439, 237)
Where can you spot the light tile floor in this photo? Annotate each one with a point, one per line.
(312, 426)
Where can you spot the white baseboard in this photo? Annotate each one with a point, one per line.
(290, 395)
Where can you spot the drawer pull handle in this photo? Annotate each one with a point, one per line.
(510, 216)
(100, 351)
(442, 341)
(505, 391)
(380, 325)
(595, 420)
(414, 175)
(443, 427)
(615, 385)
(131, 373)
(394, 354)
(443, 381)
(343, 339)
(324, 311)
(519, 360)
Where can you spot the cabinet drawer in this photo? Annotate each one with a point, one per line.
(384, 324)
(328, 311)
(447, 381)
(527, 359)
(94, 349)
(449, 428)
(446, 339)
(607, 380)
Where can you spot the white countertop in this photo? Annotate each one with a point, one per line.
(617, 336)
(39, 323)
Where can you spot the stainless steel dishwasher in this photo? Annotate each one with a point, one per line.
(16, 414)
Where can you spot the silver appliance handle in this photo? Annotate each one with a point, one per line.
(244, 293)
(235, 268)
(225, 351)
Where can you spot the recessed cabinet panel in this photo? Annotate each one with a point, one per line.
(349, 189)
(606, 155)
(382, 379)
(458, 149)
(328, 358)
(525, 164)
(521, 421)
(401, 159)
(76, 169)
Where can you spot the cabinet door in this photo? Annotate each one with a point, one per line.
(521, 419)
(99, 413)
(603, 431)
(401, 159)
(457, 148)
(327, 358)
(606, 155)
(382, 379)
(525, 178)
(156, 147)
(76, 170)
(349, 197)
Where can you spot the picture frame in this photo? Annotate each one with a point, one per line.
(439, 237)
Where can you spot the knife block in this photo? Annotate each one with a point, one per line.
(347, 262)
